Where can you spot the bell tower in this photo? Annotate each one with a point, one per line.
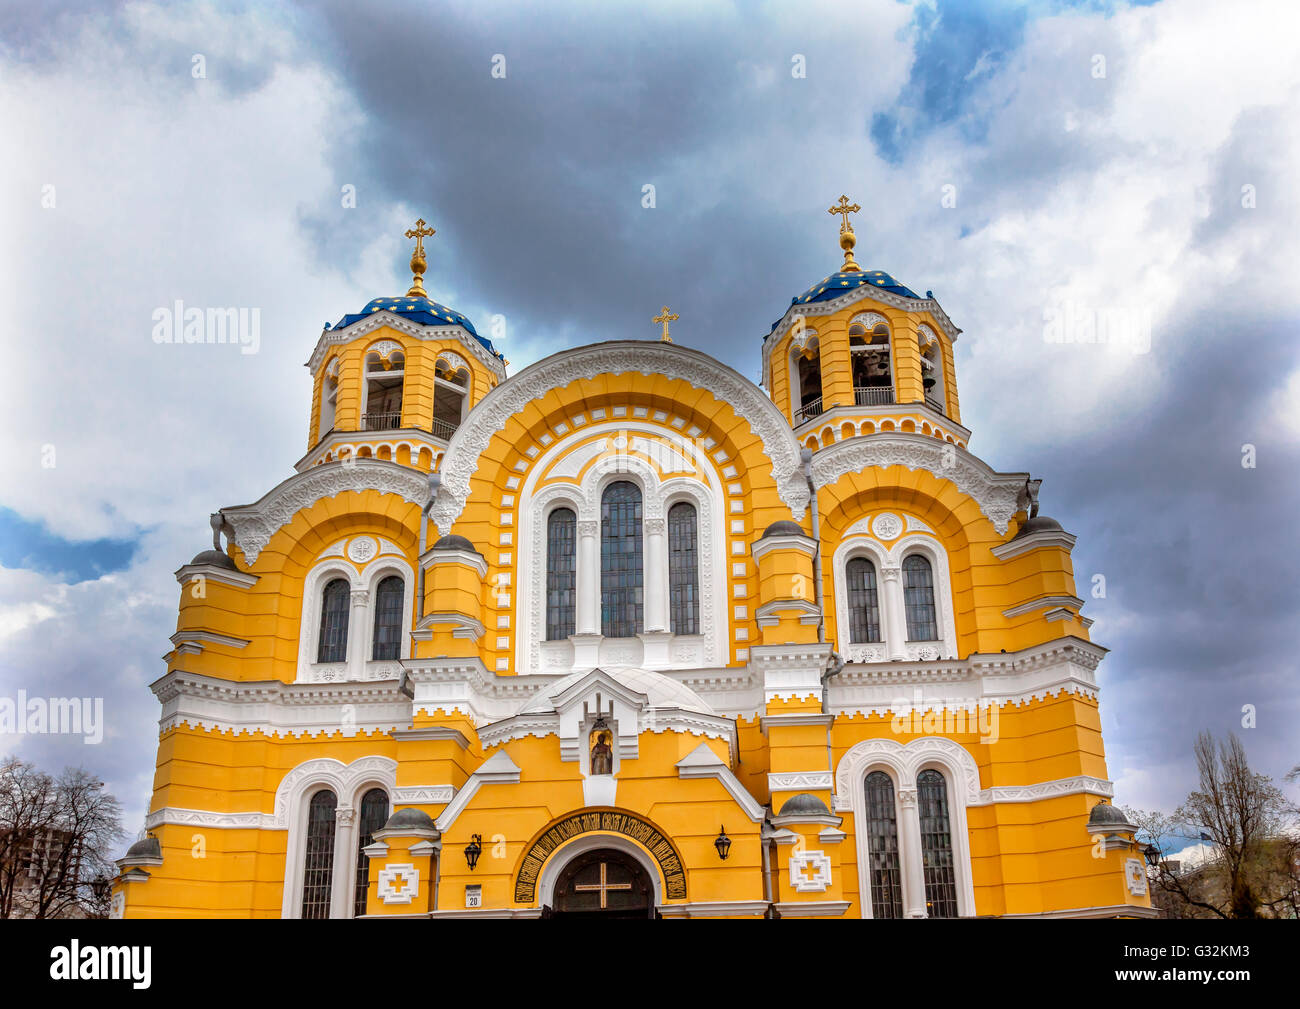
(395, 380)
(859, 353)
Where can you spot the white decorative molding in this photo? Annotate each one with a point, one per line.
(864, 292)
(887, 526)
(1018, 545)
(1045, 603)
(1135, 876)
(1078, 785)
(398, 884)
(799, 781)
(255, 524)
(668, 360)
(276, 709)
(999, 495)
(454, 361)
(810, 871)
(869, 321)
(212, 573)
(401, 324)
(362, 549)
(702, 762)
(420, 795)
(385, 349)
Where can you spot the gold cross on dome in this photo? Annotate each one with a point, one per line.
(418, 263)
(420, 232)
(843, 208)
(604, 886)
(666, 318)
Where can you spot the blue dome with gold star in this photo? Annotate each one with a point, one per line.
(421, 310)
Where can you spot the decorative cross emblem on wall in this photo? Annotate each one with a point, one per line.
(604, 886)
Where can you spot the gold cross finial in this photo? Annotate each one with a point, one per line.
(847, 238)
(418, 263)
(666, 318)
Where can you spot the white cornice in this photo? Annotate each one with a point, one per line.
(470, 558)
(1033, 541)
(391, 320)
(999, 495)
(279, 709)
(666, 360)
(1044, 603)
(702, 762)
(864, 292)
(764, 544)
(201, 638)
(255, 524)
(213, 573)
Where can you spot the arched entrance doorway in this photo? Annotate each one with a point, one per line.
(605, 883)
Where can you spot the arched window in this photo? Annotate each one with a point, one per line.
(807, 367)
(333, 646)
(318, 873)
(329, 394)
(864, 601)
(622, 594)
(882, 833)
(383, 391)
(936, 845)
(374, 814)
(873, 383)
(450, 395)
(918, 597)
(561, 574)
(388, 618)
(683, 570)
(932, 376)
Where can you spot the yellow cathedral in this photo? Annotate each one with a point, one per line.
(627, 635)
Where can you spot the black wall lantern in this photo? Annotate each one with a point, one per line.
(723, 843)
(473, 850)
(1152, 855)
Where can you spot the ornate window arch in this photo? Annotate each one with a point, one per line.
(683, 568)
(561, 572)
(918, 595)
(348, 784)
(890, 560)
(905, 764)
(452, 379)
(383, 378)
(658, 649)
(870, 359)
(359, 662)
(622, 560)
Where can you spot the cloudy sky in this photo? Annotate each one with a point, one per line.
(1025, 162)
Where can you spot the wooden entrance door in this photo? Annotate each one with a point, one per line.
(604, 884)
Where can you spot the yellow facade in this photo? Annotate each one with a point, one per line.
(626, 634)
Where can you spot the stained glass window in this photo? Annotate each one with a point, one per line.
(683, 570)
(318, 870)
(561, 574)
(388, 618)
(918, 597)
(333, 645)
(622, 594)
(936, 845)
(882, 833)
(864, 601)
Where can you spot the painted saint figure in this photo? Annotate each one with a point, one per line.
(602, 755)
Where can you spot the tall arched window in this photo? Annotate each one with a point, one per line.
(864, 601)
(318, 872)
(388, 618)
(450, 396)
(932, 372)
(683, 570)
(873, 383)
(333, 646)
(882, 833)
(374, 814)
(561, 574)
(807, 367)
(622, 594)
(918, 599)
(936, 845)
